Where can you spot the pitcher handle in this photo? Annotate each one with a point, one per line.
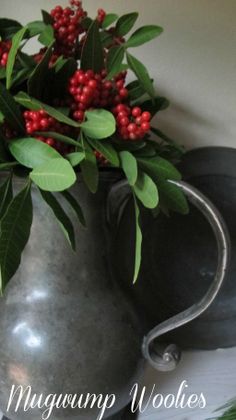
(169, 358)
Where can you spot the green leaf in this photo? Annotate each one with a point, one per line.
(155, 105)
(172, 197)
(54, 175)
(38, 78)
(35, 28)
(6, 195)
(141, 73)
(61, 217)
(92, 53)
(136, 90)
(109, 19)
(89, 169)
(20, 76)
(31, 152)
(34, 104)
(59, 137)
(168, 140)
(107, 150)
(99, 124)
(8, 27)
(106, 39)
(26, 60)
(146, 191)
(114, 60)
(11, 110)
(64, 69)
(143, 35)
(2, 73)
(125, 23)
(158, 167)
(129, 166)
(75, 158)
(47, 18)
(16, 40)
(47, 36)
(14, 233)
(138, 242)
(75, 206)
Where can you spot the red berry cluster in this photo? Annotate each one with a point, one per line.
(5, 47)
(37, 121)
(132, 123)
(93, 90)
(67, 26)
(101, 15)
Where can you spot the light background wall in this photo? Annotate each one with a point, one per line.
(193, 62)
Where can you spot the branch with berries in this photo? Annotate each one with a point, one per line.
(67, 110)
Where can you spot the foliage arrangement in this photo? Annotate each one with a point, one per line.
(229, 414)
(67, 110)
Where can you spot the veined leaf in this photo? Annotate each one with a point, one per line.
(107, 150)
(138, 242)
(11, 110)
(31, 152)
(35, 28)
(8, 27)
(47, 18)
(75, 158)
(158, 167)
(125, 23)
(143, 35)
(99, 124)
(172, 197)
(155, 105)
(47, 36)
(36, 82)
(59, 137)
(89, 169)
(14, 233)
(6, 195)
(114, 59)
(141, 73)
(54, 175)
(16, 40)
(75, 206)
(92, 52)
(109, 19)
(31, 103)
(136, 90)
(129, 166)
(61, 217)
(146, 190)
(106, 39)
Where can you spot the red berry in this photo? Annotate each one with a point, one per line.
(145, 126)
(146, 116)
(136, 111)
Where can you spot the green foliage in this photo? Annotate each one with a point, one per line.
(99, 124)
(141, 73)
(31, 152)
(129, 166)
(138, 242)
(143, 35)
(146, 191)
(8, 27)
(125, 23)
(11, 110)
(40, 82)
(92, 53)
(16, 41)
(61, 217)
(14, 233)
(54, 175)
(31, 103)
